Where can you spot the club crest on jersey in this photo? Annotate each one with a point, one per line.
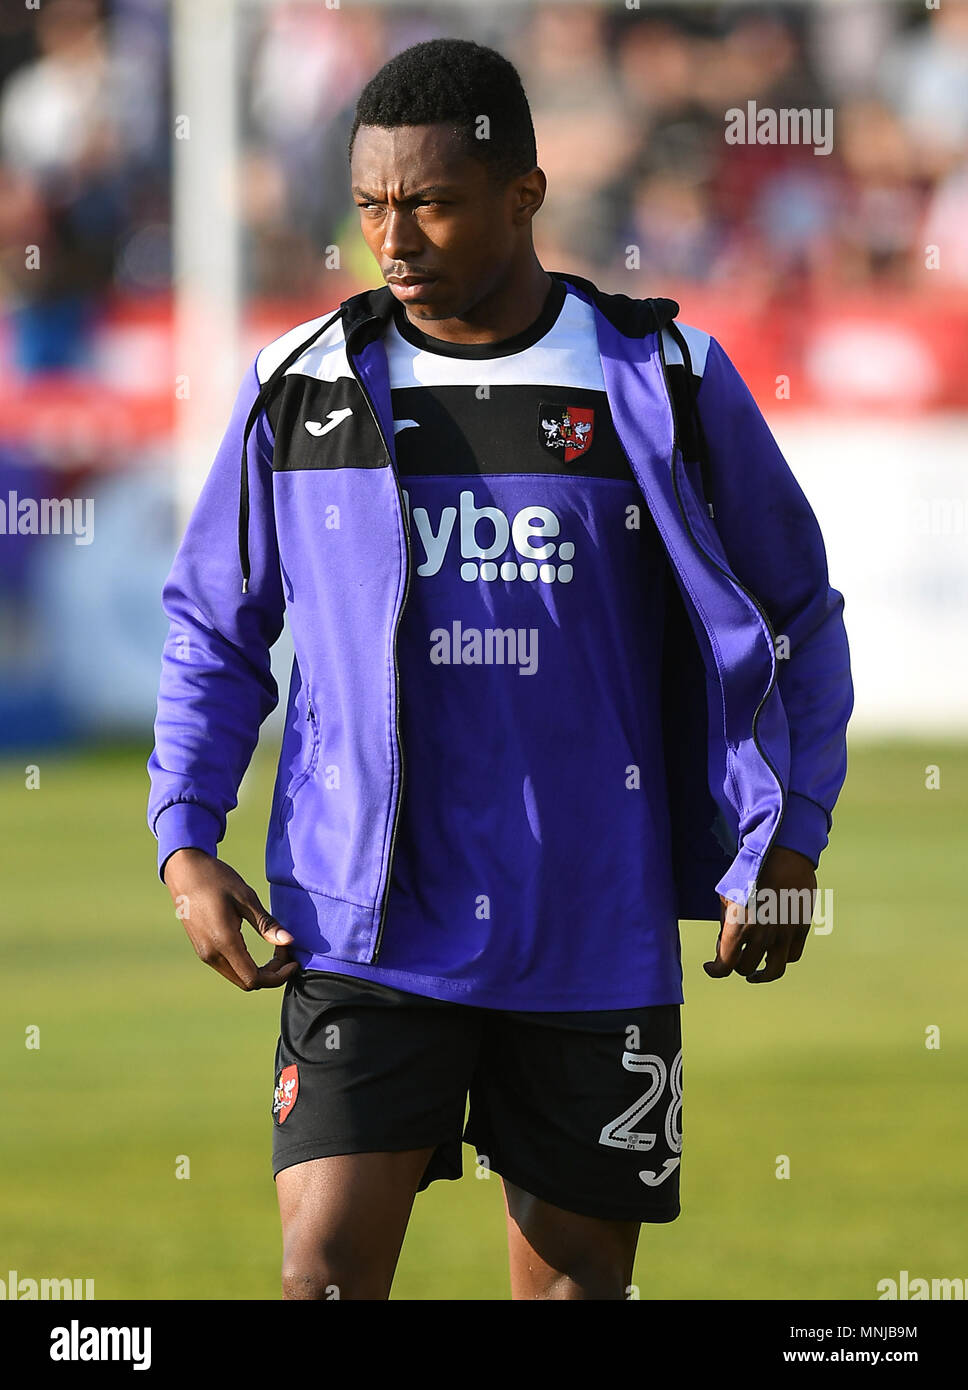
(566, 428)
(287, 1089)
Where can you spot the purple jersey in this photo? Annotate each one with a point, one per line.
(532, 867)
(473, 718)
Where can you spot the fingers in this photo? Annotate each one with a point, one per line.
(776, 960)
(225, 951)
(237, 966)
(282, 966)
(743, 943)
(276, 971)
(785, 944)
(266, 925)
(756, 944)
(800, 935)
(729, 941)
(221, 901)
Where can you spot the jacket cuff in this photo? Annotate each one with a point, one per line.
(804, 827)
(186, 825)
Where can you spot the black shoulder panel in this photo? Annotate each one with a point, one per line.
(635, 318)
(690, 443)
(367, 313)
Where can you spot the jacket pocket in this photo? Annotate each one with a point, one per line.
(308, 727)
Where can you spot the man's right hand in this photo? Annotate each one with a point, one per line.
(212, 902)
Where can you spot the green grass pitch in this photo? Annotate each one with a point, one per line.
(146, 1055)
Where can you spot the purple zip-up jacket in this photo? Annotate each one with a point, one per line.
(310, 522)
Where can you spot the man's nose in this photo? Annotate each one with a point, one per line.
(401, 236)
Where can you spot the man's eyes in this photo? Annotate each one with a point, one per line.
(420, 203)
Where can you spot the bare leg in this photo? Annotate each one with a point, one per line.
(554, 1253)
(343, 1222)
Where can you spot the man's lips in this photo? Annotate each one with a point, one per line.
(411, 289)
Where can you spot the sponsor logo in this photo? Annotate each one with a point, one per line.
(493, 545)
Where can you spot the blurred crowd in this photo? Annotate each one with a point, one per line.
(819, 262)
(629, 108)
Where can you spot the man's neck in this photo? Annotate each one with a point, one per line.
(511, 309)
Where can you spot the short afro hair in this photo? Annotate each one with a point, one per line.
(455, 81)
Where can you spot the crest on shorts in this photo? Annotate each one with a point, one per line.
(287, 1089)
(566, 429)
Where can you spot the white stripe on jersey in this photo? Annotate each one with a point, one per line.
(696, 341)
(325, 359)
(567, 355)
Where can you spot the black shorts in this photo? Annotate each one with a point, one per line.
(581, 1109)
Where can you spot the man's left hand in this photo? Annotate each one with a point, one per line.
(775, 923)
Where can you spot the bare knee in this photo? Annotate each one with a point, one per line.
(343, 1222)
(305, 1280)
(584, 1279)
(328, 1274)
(556, 1254)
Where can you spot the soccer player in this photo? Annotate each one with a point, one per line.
(568, 668)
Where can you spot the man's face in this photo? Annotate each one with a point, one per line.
(427, 210)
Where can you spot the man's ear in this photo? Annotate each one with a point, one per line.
(529, 194)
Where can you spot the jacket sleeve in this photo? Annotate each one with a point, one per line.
(216, 685)
(775, 548)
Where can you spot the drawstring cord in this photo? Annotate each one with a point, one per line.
(694, 410)
(264, 396)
